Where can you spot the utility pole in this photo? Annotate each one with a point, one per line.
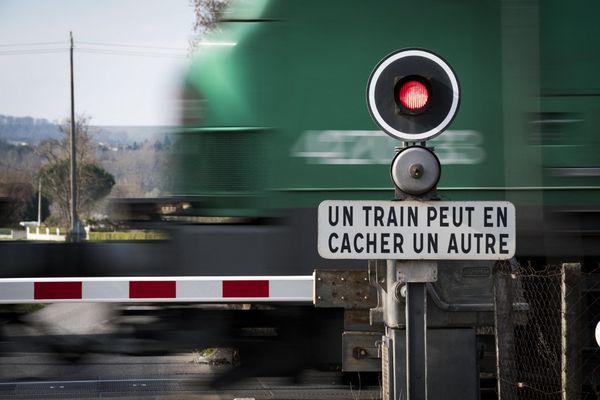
(39, 220)
(75, 234)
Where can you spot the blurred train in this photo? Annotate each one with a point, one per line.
(276, 119)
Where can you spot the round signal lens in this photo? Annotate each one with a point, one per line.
(413, 95)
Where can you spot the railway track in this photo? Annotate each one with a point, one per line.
(166, 378)
(78, 356)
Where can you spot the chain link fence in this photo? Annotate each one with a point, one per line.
(545, 321)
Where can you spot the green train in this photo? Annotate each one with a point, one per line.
(275, 118)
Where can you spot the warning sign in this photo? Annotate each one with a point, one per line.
(414, 230)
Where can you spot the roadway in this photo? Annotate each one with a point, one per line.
(28, 369)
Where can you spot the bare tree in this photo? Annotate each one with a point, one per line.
(94, 183)
(140, 171)
(17, 190)
(52, 150)
(208, 14)
(18, 165)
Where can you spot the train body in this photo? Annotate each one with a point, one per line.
(275, 116)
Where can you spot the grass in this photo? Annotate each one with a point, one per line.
(216, 356)
(20, 308)
(206, 353)
(127, 235)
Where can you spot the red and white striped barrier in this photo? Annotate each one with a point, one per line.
(158, 289)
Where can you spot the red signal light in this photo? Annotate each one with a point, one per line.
(413, 95)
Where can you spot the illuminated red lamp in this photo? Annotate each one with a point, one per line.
(413, 96)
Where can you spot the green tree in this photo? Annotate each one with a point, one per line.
(93, 182)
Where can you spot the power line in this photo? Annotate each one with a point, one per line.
(128, 53)
(103, 44)
(170, 52)
(30, 44)
(31, 51)
(133, 46)
(92, 51)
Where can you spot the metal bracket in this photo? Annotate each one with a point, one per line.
(415, 271)
(377, 273)
(344, 289)
(361, 351)
(377, 278)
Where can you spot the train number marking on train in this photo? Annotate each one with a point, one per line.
(415, 230)
(337, 147)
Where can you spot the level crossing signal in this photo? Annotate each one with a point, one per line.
(413, 95)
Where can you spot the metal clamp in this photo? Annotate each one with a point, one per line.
(415, 271)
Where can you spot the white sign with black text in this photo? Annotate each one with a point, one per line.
(417, 230)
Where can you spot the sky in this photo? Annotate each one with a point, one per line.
(130, 56)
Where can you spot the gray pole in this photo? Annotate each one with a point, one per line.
(39, 221)
(416, 340)
(415, 172)
(74, 234)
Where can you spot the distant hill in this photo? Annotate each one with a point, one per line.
(124, 135)
(27, 129)
(34, 130)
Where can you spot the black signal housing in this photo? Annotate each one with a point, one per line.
(419, 123)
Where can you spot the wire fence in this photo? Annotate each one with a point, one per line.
(545, 322)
